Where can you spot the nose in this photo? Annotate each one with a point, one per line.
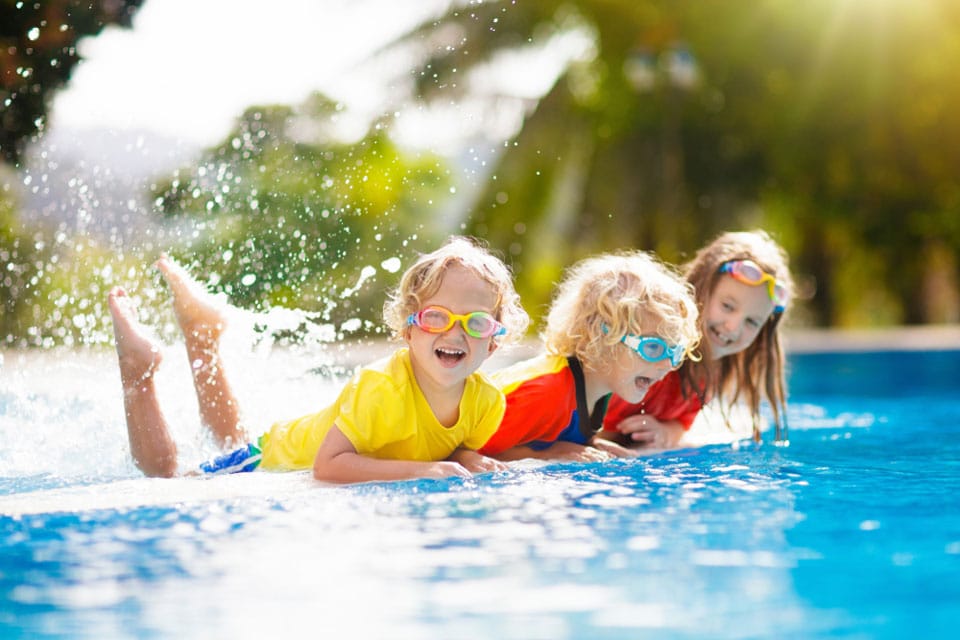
(732, 327)
(456, 330)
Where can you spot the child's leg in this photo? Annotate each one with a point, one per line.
(201, 321)
(150, 444)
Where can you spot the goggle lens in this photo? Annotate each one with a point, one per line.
(655, 349)
(478, 324)
(749, 272)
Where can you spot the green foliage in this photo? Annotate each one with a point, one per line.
(280, 214)
(830, 123)
(52, 289)
(18, 261)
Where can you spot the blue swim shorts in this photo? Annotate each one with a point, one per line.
(246, 458)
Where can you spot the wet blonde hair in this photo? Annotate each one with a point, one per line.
(759, 370)
(620, 292)
(423, 279)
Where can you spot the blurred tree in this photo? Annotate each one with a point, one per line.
(865, 157)
(38, 52)
(15, 273)
(829, 123)
(281, 213)
(42, 292)
(52, 288)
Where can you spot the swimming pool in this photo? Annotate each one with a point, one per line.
(851, 531)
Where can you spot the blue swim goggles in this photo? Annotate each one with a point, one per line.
(653, 348)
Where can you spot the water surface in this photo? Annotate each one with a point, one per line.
(851, 531)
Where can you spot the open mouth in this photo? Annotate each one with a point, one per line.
(448, 356)
(720, 339)
(643, 383)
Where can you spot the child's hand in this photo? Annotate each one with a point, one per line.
(446, 469)
(615, 449)
(562, 450)
(475, 462)
(645, 431)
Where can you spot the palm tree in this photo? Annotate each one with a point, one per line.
(603, 158)
(831, 124)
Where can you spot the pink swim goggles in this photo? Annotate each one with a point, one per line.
(749, 272)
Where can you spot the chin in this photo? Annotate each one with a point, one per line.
(634, 396)
(718, 351)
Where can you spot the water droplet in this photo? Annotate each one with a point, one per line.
(391, 265)
(351, 325)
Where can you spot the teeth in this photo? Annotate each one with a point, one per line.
(450, 352)
(721, 338)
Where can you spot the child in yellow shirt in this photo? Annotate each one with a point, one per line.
(421, 412)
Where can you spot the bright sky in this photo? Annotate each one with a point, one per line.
(189, 68)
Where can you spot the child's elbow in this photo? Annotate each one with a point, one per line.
(321, 472)
(326, 470)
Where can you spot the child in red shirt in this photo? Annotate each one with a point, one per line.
(617, 324)
(743, 285)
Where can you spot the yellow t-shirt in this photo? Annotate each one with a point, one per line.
(384, 414)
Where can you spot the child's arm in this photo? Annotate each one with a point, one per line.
(476, 462)
(338, 461)
(559, 450)
(644, 431)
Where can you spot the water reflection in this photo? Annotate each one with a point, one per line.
(780, 540)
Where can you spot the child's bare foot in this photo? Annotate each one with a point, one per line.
(198, 313)
(139, 356)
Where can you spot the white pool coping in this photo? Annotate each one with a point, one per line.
(914, 338)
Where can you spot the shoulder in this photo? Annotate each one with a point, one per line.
(393, 370)
(388, 380)
(483, 397)
(480, 384)
(540, 371)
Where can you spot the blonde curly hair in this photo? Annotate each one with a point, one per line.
(603, 298)
(423, 279)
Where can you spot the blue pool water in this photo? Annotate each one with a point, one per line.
(853, 531)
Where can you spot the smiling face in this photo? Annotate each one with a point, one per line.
(442, 361)
(733, 316)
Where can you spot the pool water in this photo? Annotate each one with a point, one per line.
(853, 531)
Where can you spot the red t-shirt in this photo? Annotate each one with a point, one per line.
(541, 403)
(664, 401)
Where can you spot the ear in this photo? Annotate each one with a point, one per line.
(494, 345)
